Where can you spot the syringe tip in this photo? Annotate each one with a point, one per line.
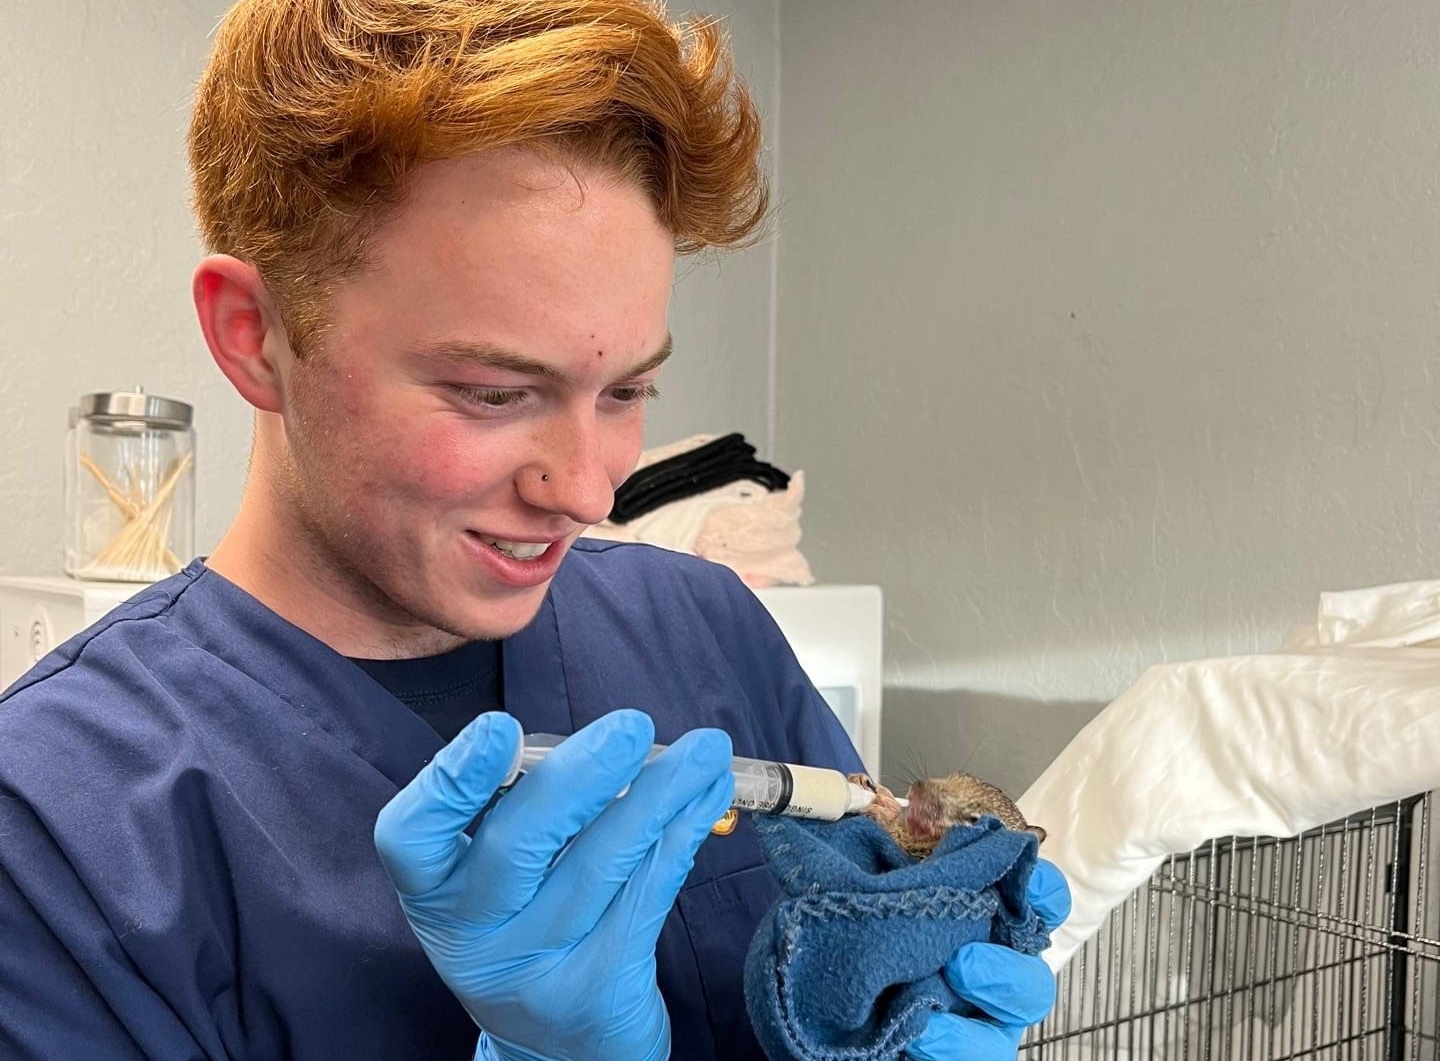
(858, 798)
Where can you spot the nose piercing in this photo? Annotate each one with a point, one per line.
(544, 478)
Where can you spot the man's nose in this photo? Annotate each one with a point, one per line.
(569, 473)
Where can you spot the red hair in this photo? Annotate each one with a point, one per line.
(313, 115)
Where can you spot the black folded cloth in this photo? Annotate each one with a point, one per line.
(718, 462)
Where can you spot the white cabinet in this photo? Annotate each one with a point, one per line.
(37, 614)
(836, 633)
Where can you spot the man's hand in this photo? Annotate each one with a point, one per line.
(1015, 989)
(544, 925)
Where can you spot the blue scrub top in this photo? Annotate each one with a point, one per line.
(188, 791)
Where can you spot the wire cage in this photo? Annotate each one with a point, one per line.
(1324, 945)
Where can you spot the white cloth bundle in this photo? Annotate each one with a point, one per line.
(1344, 717)
(752, 530)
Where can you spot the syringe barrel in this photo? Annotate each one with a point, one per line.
(760, 785)
(786, 788)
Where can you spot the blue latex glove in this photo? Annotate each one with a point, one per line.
(1016, 990)
(553, 957)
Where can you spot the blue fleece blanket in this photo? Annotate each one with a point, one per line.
(846, 967)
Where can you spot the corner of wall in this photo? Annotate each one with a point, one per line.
(771, 365)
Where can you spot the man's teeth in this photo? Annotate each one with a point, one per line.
(519, 550)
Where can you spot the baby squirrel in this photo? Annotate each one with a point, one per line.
(936, 804)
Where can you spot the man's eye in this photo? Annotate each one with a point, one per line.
(489, 397)
(633, 395)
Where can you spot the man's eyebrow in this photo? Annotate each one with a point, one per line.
(489, 355)
(655, 360)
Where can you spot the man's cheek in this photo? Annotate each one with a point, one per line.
(439, 465)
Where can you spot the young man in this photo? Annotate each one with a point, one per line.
(443, 235)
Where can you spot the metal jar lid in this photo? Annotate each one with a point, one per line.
(112, 406)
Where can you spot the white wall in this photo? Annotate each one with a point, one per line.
(1108, 334)
(97, 246)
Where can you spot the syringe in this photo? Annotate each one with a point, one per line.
(760, 785)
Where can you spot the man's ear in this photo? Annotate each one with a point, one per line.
(241, 326)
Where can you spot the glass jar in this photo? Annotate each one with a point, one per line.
(129, 487)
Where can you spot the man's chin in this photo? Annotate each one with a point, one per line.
(491, 620)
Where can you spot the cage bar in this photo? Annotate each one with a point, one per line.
(1321, 946)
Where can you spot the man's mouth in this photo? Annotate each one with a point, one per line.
(515, 550)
